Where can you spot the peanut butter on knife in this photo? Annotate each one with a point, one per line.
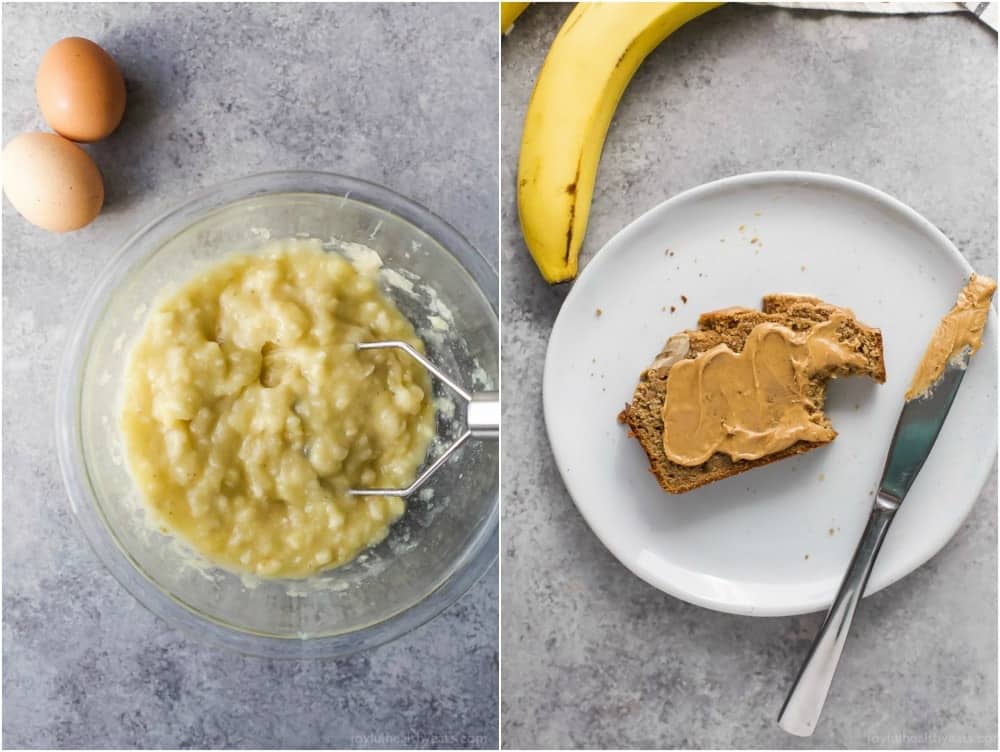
(962, 327)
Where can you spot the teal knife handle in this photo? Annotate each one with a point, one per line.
(804, 703)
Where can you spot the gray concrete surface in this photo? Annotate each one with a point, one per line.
(592, 656)
(404, 96)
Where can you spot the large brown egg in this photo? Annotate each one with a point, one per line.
(80, 90)
(52, 182)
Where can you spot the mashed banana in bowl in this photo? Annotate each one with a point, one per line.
(248, 412)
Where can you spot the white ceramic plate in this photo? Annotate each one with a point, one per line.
(776, 540)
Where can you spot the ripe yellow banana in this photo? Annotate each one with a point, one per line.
(509, 13)
(591, 61)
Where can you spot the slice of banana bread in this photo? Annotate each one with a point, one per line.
(732, 326)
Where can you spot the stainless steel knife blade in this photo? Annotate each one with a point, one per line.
(916, 431)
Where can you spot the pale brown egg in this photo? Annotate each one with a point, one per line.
(80, 90)
(52, 182)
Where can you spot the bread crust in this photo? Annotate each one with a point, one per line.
(731, 326)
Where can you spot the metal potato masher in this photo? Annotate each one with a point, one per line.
(482, 419)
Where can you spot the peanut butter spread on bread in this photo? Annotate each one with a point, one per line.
(962, 327)
(753, 403)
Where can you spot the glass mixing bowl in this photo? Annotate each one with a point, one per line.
(448, 535)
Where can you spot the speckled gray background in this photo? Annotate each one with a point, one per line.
(401, 95)
(592, 656)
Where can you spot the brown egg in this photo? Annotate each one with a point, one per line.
(52, 182)
(80, 90)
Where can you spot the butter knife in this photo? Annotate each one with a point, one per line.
(917, 429)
